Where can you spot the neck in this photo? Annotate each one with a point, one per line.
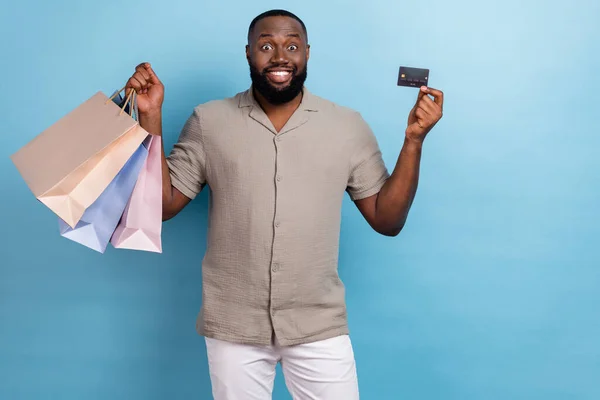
(278, 109)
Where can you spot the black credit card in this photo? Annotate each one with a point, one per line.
(413, 77)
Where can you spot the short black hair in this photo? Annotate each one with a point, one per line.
(275, 13)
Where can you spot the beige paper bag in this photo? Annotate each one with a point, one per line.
(69, 165)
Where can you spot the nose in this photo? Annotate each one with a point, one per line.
(279, 56)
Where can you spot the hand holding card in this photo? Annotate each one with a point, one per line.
(425, 113)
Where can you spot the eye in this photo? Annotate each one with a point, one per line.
(266, 47)
(293, 47)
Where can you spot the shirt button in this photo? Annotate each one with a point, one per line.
(277, 224)
(275, 267)
(279, 178)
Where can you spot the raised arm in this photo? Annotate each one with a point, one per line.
(387, 211)
(150, 96)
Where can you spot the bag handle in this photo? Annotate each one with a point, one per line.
(129, 100)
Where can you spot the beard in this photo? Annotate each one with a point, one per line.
(273, 94)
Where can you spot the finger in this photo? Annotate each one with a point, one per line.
(140, 78)
(429, 105)
(421, 116)
(152, 75)
(421, 113)
(438, 95)
(143, 76)
(135, 83)
(142, 70)
(424, 113)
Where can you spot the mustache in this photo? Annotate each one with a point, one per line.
(291, 68)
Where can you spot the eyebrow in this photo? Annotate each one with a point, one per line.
(262, 35)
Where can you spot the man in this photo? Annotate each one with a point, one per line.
(278, 160)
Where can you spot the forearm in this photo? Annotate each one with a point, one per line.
(396, 197)
(152, 123)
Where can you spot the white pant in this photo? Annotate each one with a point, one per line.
(323, 370)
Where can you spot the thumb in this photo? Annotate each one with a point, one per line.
(422, 92)
(153, 77)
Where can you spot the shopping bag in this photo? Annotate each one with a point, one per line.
(141, 224)
(100, 219)
(69, 164)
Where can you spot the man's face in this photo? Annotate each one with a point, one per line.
(277, 54)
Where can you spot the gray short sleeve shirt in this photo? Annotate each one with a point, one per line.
(270, 266)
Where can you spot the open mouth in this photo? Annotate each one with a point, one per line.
(279, 75)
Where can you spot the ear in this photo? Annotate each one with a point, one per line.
(307, 52)
(248, 53)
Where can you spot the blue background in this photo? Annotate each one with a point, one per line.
(490, 292)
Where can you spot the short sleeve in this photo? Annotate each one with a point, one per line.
(187, 160)
(368, 172)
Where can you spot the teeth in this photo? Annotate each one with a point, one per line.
(280, 73)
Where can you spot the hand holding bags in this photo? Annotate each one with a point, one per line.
(104, 185)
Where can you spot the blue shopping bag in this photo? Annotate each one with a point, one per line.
(100, 220)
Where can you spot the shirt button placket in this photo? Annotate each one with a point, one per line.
(275, 262)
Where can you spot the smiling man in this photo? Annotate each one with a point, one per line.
(278, 161)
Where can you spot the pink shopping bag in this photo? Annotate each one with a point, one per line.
(141, 223)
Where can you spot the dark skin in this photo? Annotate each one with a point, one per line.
(278, 43)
